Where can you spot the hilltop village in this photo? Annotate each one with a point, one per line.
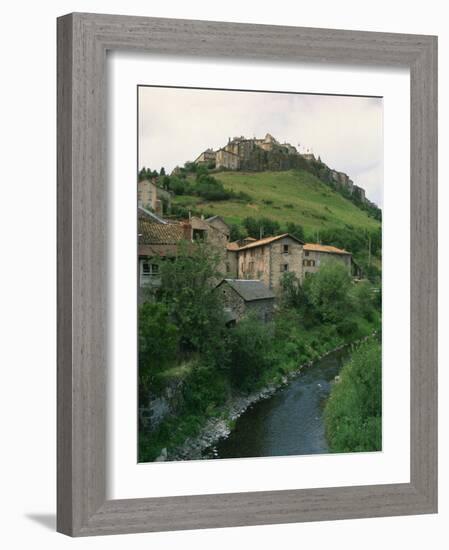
(258, 154)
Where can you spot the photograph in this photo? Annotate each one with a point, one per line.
(259, 273)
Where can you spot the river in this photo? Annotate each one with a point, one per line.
(290, 422)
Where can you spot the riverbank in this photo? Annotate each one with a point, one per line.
(220, 427)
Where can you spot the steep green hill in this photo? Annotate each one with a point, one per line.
(290, 196)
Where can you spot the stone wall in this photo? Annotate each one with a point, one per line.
(262, 309)
(313, 260)
(279, 258)
(232, 300)
(232, 270)
(267, 263)
(254, 263)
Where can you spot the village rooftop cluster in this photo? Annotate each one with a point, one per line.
(252, 268)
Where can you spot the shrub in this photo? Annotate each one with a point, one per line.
(328, 291)
(353, 412)
(155, 327)
(250, 344)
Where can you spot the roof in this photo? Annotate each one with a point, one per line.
(226, 151)
(216, 217)
(269, 240)
(233, 246)
(157, 233)
(312, 247)
(250, 289)
(144, 213)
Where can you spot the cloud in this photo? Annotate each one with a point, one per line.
(177, 124)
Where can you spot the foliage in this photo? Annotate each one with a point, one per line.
(296, 230)
(250, 345)
(363, 297)
(187, 290)
(147, 174)
(155, 327)
(327, 291)
(260, 227)
(354, 408)
(235, 233)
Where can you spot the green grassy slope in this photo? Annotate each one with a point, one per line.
(291, 196)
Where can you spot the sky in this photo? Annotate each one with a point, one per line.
(176, 125)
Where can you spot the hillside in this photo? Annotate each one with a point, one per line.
(284, 196)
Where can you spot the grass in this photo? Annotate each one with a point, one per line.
(290, 196)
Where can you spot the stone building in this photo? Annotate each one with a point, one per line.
(218, 223)
(245, 297)
(159, 239)
(207, 157)
(317, 255)
(215, 233)
(267, 259)
(227, 159)
(149, 195)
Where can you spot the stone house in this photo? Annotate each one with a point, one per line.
(158, 241)
(267, 259)
(227, 159)
(317, 255)
(218, 223)
(245, 297)
(149, 195)
(215, 233)
(207, 157)
(159, 238)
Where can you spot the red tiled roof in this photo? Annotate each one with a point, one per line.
(156, 233)
(312, 247)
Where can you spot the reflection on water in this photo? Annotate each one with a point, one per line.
(288, 423)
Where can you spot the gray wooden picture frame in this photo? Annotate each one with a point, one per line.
(83, 40)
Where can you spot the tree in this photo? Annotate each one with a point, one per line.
(261, 226)
(250, 344)
(292, 293)
(162, 172)
(328, 291)
(155, 327)
(235, 233)
(188, 290)
(296, 230)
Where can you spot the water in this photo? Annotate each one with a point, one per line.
(288, 423)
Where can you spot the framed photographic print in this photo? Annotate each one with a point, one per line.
(246, 274)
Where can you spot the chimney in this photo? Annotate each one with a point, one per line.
(186, 231)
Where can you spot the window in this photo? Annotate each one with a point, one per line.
(308, 263)
(199, 234)
(148, 271)
(306, 253)
(284, 267)
(286, 249)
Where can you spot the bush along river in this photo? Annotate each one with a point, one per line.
(276, 421)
